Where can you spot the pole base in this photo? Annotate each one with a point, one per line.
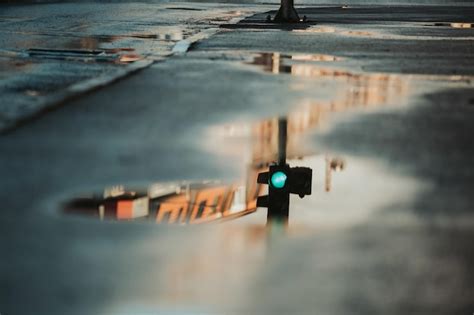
(287, 14)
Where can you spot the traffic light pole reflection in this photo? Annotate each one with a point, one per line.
(283, 180)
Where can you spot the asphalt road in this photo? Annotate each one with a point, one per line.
(387, 90)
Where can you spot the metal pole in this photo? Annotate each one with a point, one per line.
(282, 140)
(279, 200)
(287, 13)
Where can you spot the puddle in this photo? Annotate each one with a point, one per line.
(130, 58)
(109, 48)
(314, 58)
(316, 29)
(266, 23)
(188, 203)
(184, 9)
(72, 55)
(402, 31)
(256, 143)
(335, 30)
(118, 55)
(455, 25)
(298, 64)
(188, 266)
(33, 93)
(351, 89)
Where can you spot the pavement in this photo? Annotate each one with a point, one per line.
(379, 101)
(48, 59)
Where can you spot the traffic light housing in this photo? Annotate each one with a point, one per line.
(283, 181)
(300, 180)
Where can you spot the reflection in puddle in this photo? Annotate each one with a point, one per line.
(111, 48)
(179, 203)
(170, 33)
(461, 25)
(336, 30)
(199, 202)
(184, 9)
(109, 45)
(281, 63)
(333, 165)
(84, 55)
(394, 33)
(202, 202)
(32, 93)
(298, 65)
(314, 58)
(456, 25)
(116, 55)
(130, 58)
(316, 29)
(358, 89)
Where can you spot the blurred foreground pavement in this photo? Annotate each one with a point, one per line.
(380, 103)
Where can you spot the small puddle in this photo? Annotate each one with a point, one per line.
(111, 48)
(336, 30)
(298, 64)
(184, 9)
(455, 25)
(362, 89)
(72, 54)
(406, 31)
(116, 55)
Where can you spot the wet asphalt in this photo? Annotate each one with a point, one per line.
(392, 90)
(52, 52)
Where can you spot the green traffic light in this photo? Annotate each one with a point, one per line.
(278, 179)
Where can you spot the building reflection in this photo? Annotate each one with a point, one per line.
(351, 91)
(183, 203)
(120, 46)
(461, 25)
(365, 89)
